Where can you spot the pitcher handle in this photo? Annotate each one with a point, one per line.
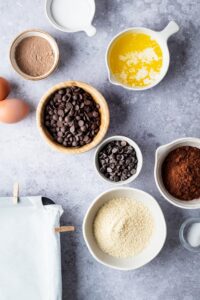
(169, 30)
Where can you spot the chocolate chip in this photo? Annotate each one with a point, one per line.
(86, 138)
(123, 143)
(81, 123)
(72, 129)
(87, 102)
(65, 98)
(55, 117)
(60, 134)
(68, 119)
(83, 128)
(68, 106)
(71, 113)
(95, 114)
(59, 140)
(133, 171)
(59, 124)
(61, 92)
(61, 113)
(114, 150)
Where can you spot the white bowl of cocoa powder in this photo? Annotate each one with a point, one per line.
(177, 172)
(34, 54)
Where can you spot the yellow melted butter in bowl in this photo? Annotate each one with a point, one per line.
(135, 60)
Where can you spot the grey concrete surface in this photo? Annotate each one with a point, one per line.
(168, 111)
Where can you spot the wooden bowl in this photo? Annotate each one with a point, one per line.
(104, 113)
(31, 33)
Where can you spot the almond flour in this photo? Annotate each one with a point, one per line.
(123, 227)
(34, 56)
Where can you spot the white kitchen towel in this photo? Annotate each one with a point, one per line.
(30, 257)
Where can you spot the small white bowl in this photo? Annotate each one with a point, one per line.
(161, 37)
(160, 156)
(156, 242)
(183, 234)
(89, 29)
(131, 143)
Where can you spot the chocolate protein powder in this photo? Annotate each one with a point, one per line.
(181, 173)
(34, 56)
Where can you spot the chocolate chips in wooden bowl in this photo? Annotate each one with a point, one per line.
(73, 117)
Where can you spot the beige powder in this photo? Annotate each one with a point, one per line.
(34, 56)
(123, 227)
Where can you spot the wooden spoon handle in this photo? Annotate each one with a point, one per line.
(16, 193)
(64, 229)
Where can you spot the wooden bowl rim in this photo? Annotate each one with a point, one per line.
(104, 111)
(29, 77)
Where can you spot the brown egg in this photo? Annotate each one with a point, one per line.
(4, 88)
(13, 110)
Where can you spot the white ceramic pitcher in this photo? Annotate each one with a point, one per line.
(58, 10)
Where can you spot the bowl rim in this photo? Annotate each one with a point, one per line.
(166, 148)
(138, 154)
(105, 117)
(166, 57)
(51, 41)
(90, 208)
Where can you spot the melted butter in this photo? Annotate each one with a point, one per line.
(135, 59)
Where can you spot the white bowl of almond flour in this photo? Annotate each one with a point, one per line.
(124, 228)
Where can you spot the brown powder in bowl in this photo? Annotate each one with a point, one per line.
(34, 56)
(181, 173)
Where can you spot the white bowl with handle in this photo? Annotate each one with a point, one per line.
(161, 154)
(161, 37)
(155, 244)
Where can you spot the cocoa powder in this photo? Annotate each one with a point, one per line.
(181, 173)
(34, 56)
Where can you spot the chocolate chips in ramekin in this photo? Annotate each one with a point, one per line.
(72, 117)
(117, 161)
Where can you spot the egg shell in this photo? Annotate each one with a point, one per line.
(13, 110)
(4, 88)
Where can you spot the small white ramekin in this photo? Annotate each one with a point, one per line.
(161, 37)
(157, 240)
(160, 156)
(183, 234)
(131, 143)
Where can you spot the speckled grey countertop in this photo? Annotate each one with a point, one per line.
(168, 111)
